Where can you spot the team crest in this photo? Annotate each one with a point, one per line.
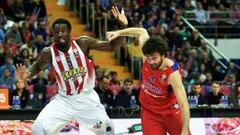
(151, 79)
(163, 78)
(75, 52)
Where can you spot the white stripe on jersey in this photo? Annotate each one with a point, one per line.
(61, 84)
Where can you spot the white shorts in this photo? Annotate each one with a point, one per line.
(84, 108)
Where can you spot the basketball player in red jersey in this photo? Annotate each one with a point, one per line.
(76, 99)
(163, 98)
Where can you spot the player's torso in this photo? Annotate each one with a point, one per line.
(156, 94)
(74, 72)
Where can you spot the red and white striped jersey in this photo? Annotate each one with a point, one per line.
(74, 71)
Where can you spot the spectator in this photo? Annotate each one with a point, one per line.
(135, 58)
(40, 43)
(234, 99)
(22, 92)
(24, 54)
(214, 96)
(105, 94)
(151, 21)
(16, 10)
(195, 39)
(25, 31)
(128, 97)
(14, 34)
(33, 52)
(39, 99)
(209, 78)
(162, 20)
(10, 48)
(8, 65)
(175, 39)
(6, 81)
(41, 30)
(218, 72)
(201, 14)
(197, 91)
(188, 5)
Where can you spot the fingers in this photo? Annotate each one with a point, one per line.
(20, 66)
(115, 11)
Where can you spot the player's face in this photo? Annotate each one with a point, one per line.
(61, 34)
(155, 60)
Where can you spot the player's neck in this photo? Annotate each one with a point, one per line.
(62, 48)
(163, 64)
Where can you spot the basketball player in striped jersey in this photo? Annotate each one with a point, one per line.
(76, 99)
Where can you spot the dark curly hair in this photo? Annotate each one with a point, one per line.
(155, 44)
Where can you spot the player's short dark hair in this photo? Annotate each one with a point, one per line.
(155, 44)
(62, 21)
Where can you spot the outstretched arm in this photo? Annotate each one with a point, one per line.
(43, 59)
(141, 33)
(87, 43)
(176, 81)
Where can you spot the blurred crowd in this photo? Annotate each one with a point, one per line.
(24, 32)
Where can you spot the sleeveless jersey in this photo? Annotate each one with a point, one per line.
(74, 71)
(156, 94)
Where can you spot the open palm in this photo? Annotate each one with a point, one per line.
(119, 16)
(21, 73)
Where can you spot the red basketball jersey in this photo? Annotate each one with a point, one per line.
(156, 94)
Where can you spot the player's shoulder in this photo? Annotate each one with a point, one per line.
(169, 62)
(46, 50)
(83, 38)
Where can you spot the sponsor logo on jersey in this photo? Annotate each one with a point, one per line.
(73, 73)
(151, 88)
(163, 78)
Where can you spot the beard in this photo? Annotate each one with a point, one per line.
(155, 65)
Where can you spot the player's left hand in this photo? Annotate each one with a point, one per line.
(119, 16)
(111, 35)
(21, 73)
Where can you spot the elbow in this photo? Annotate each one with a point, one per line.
(115, 44)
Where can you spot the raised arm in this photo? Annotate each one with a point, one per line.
(87, 43)
(43, 59)
(176, 81)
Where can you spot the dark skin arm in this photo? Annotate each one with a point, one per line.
(39, 65)
(87, 43)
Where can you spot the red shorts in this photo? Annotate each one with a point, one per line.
(156, 124)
